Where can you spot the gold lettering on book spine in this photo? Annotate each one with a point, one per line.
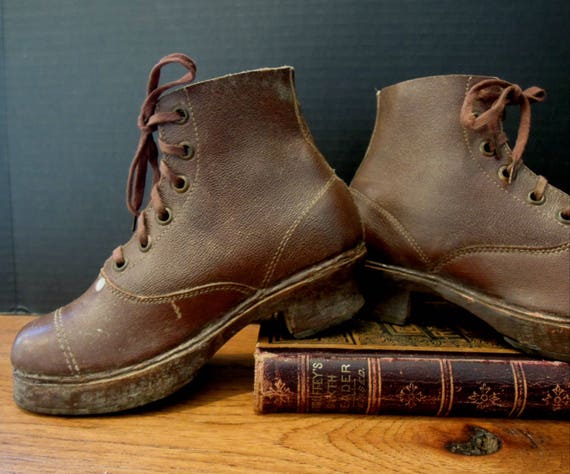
(314, 391)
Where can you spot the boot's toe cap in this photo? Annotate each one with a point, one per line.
(38, 350)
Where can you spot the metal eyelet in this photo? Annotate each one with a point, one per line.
(503, 173)
(166, 218)
(562, 218)
(183, 112)
(119, 267)
(145, 248)
(531, 198)
(188, 150)
(181, 185)
(486, 149)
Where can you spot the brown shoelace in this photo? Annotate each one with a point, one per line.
(147, 151)
(499, 94)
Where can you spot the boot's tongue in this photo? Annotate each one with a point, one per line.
(499, 94)
(148, 121)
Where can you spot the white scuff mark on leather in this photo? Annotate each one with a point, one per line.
(100, 284)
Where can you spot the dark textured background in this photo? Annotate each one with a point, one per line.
(73, 75)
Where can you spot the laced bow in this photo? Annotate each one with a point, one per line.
(147, 150)
(148, 122)
(500, 94)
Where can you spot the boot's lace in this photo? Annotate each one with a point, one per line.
(147, 152)
(499, 94)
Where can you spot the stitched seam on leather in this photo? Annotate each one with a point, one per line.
(399, 227)
(192, 188)
(298, 114)
(292, 227)
(198, 145)
(300, 120)
(125, 295)
(158, 300)
(367, 154)
(494, 181)
(64, 344)
(494, 249)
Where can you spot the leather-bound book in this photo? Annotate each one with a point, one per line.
(445, 363)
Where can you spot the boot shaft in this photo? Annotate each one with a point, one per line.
(438, 186)
(248, 148)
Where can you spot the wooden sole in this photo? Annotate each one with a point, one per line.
(388, 289)
(311, 300)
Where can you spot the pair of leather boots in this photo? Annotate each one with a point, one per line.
(246, 219)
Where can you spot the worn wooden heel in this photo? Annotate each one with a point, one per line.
(388, 300)
(323, 303)
(392, 304)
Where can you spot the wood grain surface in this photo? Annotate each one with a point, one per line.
(210, 426)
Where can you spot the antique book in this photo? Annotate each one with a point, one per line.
(446, 363)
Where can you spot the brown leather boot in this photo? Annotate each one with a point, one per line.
(245, 219)
(448, 207)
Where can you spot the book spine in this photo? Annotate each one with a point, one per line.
(359, 383)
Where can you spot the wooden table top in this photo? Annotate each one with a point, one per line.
(210, 426)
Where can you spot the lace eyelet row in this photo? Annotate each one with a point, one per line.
(504, 175)
(186, 146)
(148, 121)
(180, 186)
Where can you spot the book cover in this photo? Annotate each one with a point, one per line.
(446, 363)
